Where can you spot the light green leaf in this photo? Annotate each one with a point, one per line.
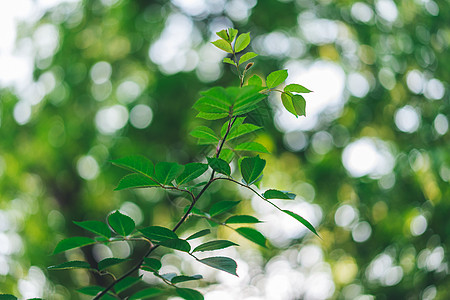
(296, 88)
(120, 223)
(227, 155)
(276, 194)
(189, 294)
(126, 283)
(94, 290)
(255, 80)
(238, 122)
(301, 220)
(232, 33)
(229, 61)
(158, 233)
(211, 116)
(191, 171)
(74, 264)
(108, 262)
(247, 98)
(242, 42)
(286, 99)
(204, 133)
(221, 207)
(253, 235)
(251, 168)
(199, 234)
(247, 56)
(299, 104)
(242, 130)
(153, 263)
(183, 278)
(96, 227)
(219, 165)
(214, 245)
(224, 35)
(215, 100)
(223, 45)
(72, 242)
(137, 164)
(276, 78)
(135, 181)
(146, 294)
(221, 263)
(241, 219)
(251, 146)
(176, 244)
(166, 172)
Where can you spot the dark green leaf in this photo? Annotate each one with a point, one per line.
(137, 164)
(296, 88)
(166, 172)
(199, 234)
(241, 219)
(120, 223)
(205, 134)
(252, 235)
(94, 290)
(229, 61)
(251, 168)
(135, 181)
(189, 294)
(221, 263)
(221, 207)
(219, 165)
(299, 104)
(176, 244)
(96, 227)
(301, 220)
(255, 80)
(276, 194)
(251, 146)
(276, 78)
(72, 242)
(153, 263)
(146, 294)
(168, 276)
(286, 99)
(74, 264)
(126, 283)
(223, 45)
(246, 97)
(214, 245)
(183, 278)
(108, 262)
(7, 297)
(242, 130)
(242, 42)
(247, 56)
(191, 171)
(158, 233)
(224, 35)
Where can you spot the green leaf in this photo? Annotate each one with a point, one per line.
(215, 100)
(183, 278)
(251, 146)
(205, 134)
(255, 80)
(227, 155)
(176, 244)
(238, 122)
(276, 194)
(229, 61)
(135, 181)
(301, 220)
(247, 98)
(168, 276)
(214, 245)
(74, 264)
(166, 172)
(223, 45)
(7, 297)
(137, 164)
(296, 88)
(253, 235)
(247, 56)
(146, 294)
(276, 78)
(221, 207)
(189, 294)
(94, 290)
(199, 234)
(96, 227)
(211, 116)
(242, 219)
(251, 168)
(242, 42)
(242, 130)
(191, 171)
(126, 283)
(219, 165)
(153, 263)
(299, 104)
(224, 35)
(108, 262)
(286, 99)
(158, 233)
(221, 263)
(72, 242)
(120, 223)
(232, 33)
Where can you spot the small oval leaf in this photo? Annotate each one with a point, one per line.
(72, 242)
(253, 235)
(241, 219)
(120, 223)
(158, 233)
(214, 245)
(108, 262)
(221, 263)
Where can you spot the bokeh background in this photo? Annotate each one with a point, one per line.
(84, 82)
